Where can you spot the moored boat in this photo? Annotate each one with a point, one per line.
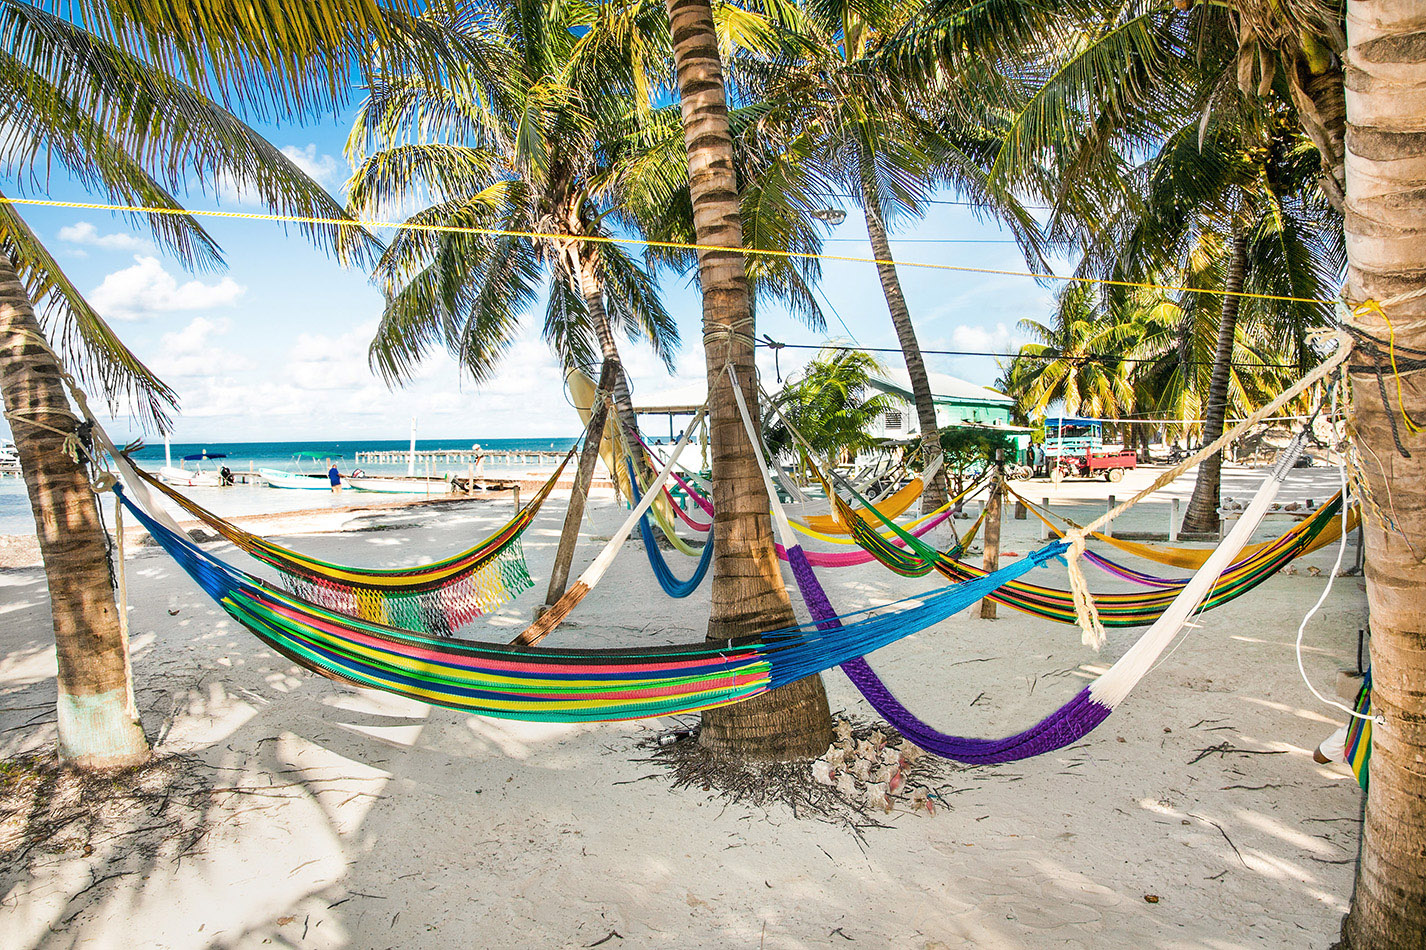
(277, 478)
(399, 484)
(300, 480)
(195, 477)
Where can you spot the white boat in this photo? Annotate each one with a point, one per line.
(300, 480)
(185, 478)
(9, 457)
(399, 484)
(276, 478)
(194, 477)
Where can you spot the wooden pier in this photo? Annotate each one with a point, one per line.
(464, 457)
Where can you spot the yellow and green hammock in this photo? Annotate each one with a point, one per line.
(1131, 609)
(439, 597)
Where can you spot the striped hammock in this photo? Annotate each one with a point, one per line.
(514, 681)
(1135, 609)
(439, 597)
(1359, 733)
(1188, 558)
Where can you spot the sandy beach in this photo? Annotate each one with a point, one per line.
(297, 812)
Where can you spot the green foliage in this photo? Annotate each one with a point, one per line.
(139, 102)
(971, 448)
(526, 137)
(829, 406)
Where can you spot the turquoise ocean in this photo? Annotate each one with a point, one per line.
(16, 518)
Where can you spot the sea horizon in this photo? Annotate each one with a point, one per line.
(16, 517)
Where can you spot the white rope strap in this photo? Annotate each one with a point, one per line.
(1091, 629)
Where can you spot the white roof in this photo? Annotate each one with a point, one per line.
(693, 393)
(943, 388)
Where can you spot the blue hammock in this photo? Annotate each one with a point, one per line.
(667, 580)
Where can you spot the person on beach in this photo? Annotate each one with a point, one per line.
(334, 476)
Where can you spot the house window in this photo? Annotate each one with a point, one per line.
(893, 419)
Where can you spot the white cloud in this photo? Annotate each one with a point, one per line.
(147, 288)
(83, 232)
(331, 363)
(194, 352)
(323, 168)
(996, 339)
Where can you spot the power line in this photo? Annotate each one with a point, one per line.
(1106, 359)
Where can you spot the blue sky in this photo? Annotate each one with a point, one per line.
(274, 347)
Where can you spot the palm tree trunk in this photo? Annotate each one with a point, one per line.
(1202, 513)
(98, 722)
(1386, 235)
(935, 493)
(748, 591)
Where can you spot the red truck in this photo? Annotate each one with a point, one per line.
(1111, 464)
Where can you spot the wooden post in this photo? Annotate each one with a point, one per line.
(1044, 528)
(992, 536)
(588, 455)
(1019, 510)
(1109, 525)
(1174, 519)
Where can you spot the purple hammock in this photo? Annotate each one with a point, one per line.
(1068, 724)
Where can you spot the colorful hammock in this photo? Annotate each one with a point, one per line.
(666, 578)
(518, 682)
(1189, 558)
(894, 506)
(1134, 609)
(439, 597)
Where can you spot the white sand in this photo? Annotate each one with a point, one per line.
(390, 823)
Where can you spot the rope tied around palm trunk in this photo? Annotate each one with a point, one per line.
(1388, 358)
(739, 330)
(1086, 614)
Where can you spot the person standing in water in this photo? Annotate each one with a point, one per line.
(335, 477)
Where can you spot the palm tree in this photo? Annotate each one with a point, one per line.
(829, 405)
(1072, 361)
(523, 141)
(748, 594)
(889, 144)
(128, 102)
(1243, 179)
(1383, 221)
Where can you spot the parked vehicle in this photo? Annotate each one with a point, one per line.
(1111, 465)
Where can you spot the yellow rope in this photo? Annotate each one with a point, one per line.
(1371, 306)
(642, 242)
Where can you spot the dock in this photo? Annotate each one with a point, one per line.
(468, 457)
